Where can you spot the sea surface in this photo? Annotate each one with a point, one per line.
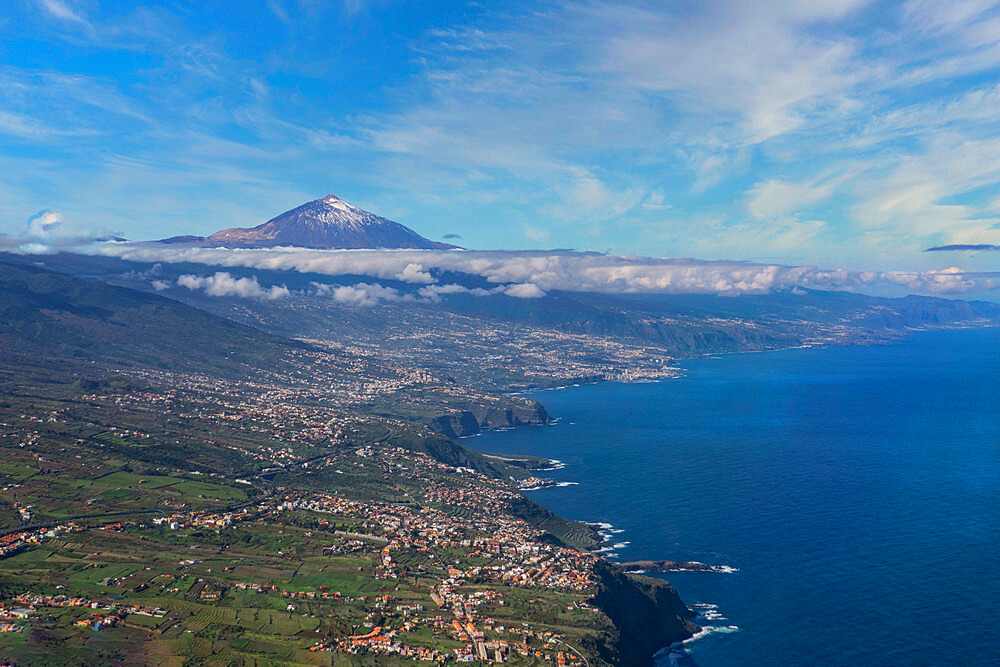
(856, 489)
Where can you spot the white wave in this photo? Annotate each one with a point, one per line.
(678, 654)
(712, 616)
(712, 629)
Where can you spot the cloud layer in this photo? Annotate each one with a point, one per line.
(532, 274)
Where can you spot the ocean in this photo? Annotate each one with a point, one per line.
(855, 489)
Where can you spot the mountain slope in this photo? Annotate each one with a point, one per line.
(329, 222)
(47, 315)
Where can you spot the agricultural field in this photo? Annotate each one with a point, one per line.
(156, 518)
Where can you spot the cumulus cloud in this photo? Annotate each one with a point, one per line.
(43, 223)
(370, 294)
(160, 285)
(562, 270)
(47, 232)
(952, 280)
(437, 290)
(360, 294)
(434, 292)
(524, 291)
(31, 248)
(149, 274)
(414, 273)
(224, 284)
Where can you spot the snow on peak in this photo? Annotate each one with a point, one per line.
(336, 202)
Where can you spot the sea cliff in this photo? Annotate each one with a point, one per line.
(646, 614)
(479, 417)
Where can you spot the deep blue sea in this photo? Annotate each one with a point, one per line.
(857, 489)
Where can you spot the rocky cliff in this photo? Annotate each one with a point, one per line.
(490, 416)
(646, 613)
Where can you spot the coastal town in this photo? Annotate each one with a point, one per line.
(466, 564)
(314, 507)
(329, 525)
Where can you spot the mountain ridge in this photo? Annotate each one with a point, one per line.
(326, 223)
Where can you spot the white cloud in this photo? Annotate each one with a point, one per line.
(526, 273)
(761, 64)
(33, 249)
(433, 292)
(912, 197)
(63, 12)
(524, 291)
(224, 284)
(578, 115)
(48, 232)
(535, 234)
(359, 294)
(370, 294)
(43, 223)
(363, 294)
(773, 197)
(414, 273)
(952, 280)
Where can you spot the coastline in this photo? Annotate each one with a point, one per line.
(709, 620)
(675, 629)
(903, 334)
(811, 367)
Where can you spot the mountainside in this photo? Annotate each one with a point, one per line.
(501, 343)
(45, 315)
(329, 222)
(647, 615)
(214, 498)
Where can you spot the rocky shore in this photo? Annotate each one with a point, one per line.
(639, 566)
(646, 613)
(488, 417)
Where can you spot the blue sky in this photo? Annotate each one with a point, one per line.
(848, 134)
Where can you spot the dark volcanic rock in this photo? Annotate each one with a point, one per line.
(647, 614)
(479, 417)
(494, 417)
(455, 424)
(673, 566)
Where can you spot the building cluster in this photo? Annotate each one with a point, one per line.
(108, 616)
(13, 543)
(449, 530)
